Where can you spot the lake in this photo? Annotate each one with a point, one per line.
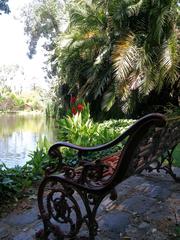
(19, 134)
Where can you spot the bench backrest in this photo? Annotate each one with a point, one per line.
(129, 160)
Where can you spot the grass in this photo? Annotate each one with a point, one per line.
(176, 156)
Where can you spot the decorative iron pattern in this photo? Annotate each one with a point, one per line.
(156, 152)
(60, 210)
(59, 207)
(149, 146)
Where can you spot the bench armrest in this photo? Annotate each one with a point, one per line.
(54, 149)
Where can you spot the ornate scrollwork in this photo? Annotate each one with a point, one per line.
(56, 155)
(165, 163)
(90, 173)
(69, 172)
(63, 214)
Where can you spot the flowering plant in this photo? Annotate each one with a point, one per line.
(72, 100)
(77, 126)
(77, 106)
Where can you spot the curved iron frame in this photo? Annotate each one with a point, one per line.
(87, 181)
(165, 164)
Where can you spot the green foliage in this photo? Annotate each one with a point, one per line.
(4, 7)
(123, 48)
(34, 166)
(43, 19)
(111, 53)
(13, 97)
(177, 231)
(176, 156)
(49, 110)
(112, 128)
(80, 129)
(39, 159)
(43, 144)
(13, 181)
(20, 102)
(172, 111)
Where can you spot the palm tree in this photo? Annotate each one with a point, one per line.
(146, 58)
(85, 63)
(121, 50)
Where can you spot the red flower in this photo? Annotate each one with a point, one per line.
(73, 110)
(80, 107)
(73, 100)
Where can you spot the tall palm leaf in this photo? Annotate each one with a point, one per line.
(127, 47)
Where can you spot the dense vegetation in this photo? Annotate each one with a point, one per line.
(11, 184)
(78, 128)
(11, 102)
(114, 54)
(14, 96)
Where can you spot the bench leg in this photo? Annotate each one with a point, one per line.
(168, 167)
(61, 212)
(92, 202)
(165, 163)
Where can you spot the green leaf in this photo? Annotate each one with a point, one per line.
(7, 181)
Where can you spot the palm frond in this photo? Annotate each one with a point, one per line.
(108, 100)
(99, 75)
(169, 62)
(124, 58)
(87, 17)
(133, 10)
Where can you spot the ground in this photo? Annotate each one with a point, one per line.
(147, 208)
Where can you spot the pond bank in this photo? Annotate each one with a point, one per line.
(147, 208)
(21, 112)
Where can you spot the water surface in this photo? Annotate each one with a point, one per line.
(19, 135)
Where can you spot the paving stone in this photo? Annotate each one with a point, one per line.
(159, 212)
(175, 196)
(116, 222)
(3, 231)
(144, 203)
(157, 236)
(155, 192)
(30, 235)
(25, 218)
(159, 192)
(144, 225)
(139, 204)
(145, 187)
(132, 181)
(176, 171)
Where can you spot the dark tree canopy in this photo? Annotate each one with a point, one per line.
(4, 7)
(119, 55)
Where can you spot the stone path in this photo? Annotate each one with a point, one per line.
(147, 208)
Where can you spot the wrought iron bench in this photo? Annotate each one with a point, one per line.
(70, 196)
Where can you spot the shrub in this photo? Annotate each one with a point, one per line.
(176, 156)
(39, 160)
(78, 128)
(13, 181)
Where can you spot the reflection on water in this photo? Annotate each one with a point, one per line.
(19, 135)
